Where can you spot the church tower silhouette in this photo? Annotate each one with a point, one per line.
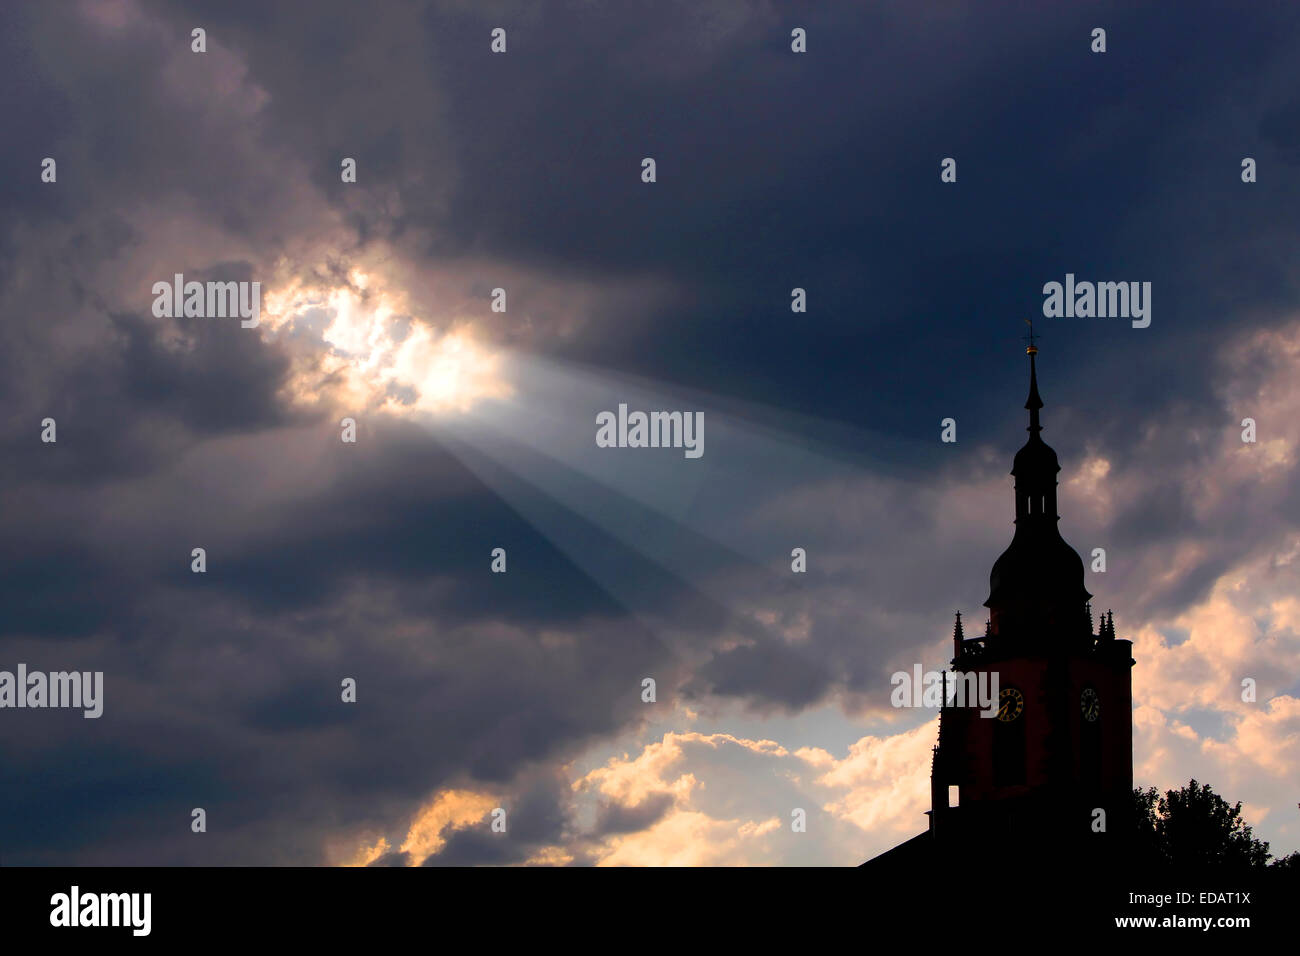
(1049, 778)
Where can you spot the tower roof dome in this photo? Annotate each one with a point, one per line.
(1036, 457)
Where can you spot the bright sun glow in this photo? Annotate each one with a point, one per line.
(359, 344)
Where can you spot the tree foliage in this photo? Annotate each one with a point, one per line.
(1195, 827)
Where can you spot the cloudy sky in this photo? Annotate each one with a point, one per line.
(475, 428)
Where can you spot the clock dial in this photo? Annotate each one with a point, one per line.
(1010, 703)
(1090, 704)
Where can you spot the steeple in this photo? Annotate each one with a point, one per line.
(1038, 580)
(1033, 403)
(1035, 466)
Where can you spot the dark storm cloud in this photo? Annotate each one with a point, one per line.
(218, 382)
(619, 818)
(534, 819)
(242, 716)
(778, 171)
(392, 859)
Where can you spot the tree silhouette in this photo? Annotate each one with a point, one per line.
(1195, 827)
(1289, 863)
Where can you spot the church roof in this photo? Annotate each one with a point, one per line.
(915, 855)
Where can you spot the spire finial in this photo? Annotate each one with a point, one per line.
(1031, 338)
(1033, 403)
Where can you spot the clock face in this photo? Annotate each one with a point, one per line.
(1010, 703)
(1090, 704)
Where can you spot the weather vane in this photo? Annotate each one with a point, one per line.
(1031, 338)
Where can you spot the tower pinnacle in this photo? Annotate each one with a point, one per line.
(1033, 403)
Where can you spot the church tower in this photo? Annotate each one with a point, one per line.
(1032, 779)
